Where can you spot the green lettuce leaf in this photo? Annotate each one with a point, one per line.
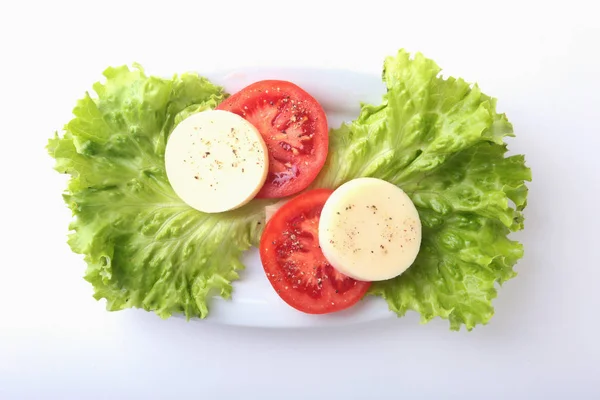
(143, 246)
(442, 142)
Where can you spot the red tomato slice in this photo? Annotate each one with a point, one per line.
(294, 127)
(295, 265)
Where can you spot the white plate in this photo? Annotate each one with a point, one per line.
(254, 302)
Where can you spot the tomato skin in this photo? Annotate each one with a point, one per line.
(295, 265)
(294, 127)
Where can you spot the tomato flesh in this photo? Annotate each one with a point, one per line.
(294, 127)
(295, 265)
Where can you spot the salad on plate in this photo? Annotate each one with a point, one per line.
(172, 180)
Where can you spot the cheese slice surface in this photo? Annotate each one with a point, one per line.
(370, 230)
(216, 161)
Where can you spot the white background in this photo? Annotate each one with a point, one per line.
(540, 60)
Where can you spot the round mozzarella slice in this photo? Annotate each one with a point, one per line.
(370, 230)
(216, 161)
